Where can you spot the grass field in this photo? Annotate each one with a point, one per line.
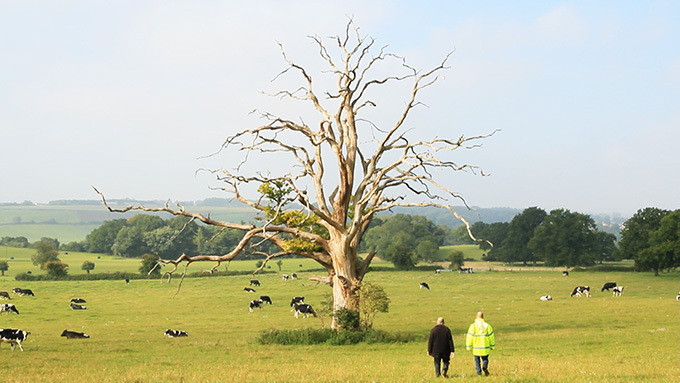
(633, 338)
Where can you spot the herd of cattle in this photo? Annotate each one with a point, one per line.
(297, 304)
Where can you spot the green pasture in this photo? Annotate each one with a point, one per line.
(469, 251)
(633, 338)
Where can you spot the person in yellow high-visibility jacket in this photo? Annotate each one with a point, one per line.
(480, 339)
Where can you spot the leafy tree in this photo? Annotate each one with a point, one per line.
(102, 239)
(636, 232)
(605, 246)
(15, 242)
(4, 266)
(460, 235)
(346, 166)
(162, 242)
(565, 239)
(130, 243)
(150, 266)
(372, 300)
(87, 266)
(456, 258)
(145, 222)
(514, 248)
(279, 263)
(664, 250)
(56, 269)
(53, 241)
(45, 252)
(495, 233)
(74, 246)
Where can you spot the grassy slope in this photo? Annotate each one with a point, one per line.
(600, 339)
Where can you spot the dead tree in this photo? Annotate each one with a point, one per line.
(341, 179)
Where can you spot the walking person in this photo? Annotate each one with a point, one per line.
(481, 340)
(440, 346)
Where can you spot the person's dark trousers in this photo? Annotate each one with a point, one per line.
(437, 363)
(484, 364)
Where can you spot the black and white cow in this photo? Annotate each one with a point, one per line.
(5, 295)
(293, 276)
(8, 308)
(249, 290)
(545, 298)
(13, 336)
(78, 300)
(296, 300)
(677, 297)
(581, 290)
(565, 273)
(77, 307)
(608, 285)
(285, 277)
(176, 333)
(304, 309)
(265, 299)
(618, 290)
(465, 270)
(74, 335)
(424, 285)
(22, 292)
(254, 282)
(255, 305)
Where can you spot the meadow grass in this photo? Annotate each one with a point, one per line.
(633, 338)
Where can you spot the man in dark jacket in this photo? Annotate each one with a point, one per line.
(440, 346)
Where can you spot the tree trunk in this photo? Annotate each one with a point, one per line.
(344, 276)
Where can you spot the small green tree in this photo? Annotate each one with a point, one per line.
(45, 252)
(149, 265)
(3, 267)
(56, 269)
(372, 300)
(456, 258)
(259, 263)
(87, 266)
(279, 263)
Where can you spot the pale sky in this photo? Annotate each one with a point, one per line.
(129, 95)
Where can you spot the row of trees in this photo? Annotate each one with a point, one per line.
(652, 238)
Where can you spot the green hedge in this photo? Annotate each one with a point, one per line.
(310, 336)
(122, 276)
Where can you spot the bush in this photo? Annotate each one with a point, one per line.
(310, 336)
(347, 319)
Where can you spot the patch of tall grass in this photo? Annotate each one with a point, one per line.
(312, 336)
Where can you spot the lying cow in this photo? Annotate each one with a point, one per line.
(78, 300)
(296, 300)
(424, 285)
(608, 285)
(249, 290)
(265, 299)
(581, 290)
(74, 335)
(13, 336)
(5, 295)
(254, 282)
(176, 333)
(77, 307)
(545, 298)
(618, 290)
(22, 292)
(255, 305)
(8, 308)
(304, 309)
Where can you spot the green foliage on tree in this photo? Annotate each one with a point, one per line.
(279, 263)
(456, 258)
(87, 266)
(56, 269)
(514, 247)
(605, 246)
(21, 242)
(664, 250)
(636, 238)
(130, 243)
(45, 252)
(102, 239)
(4, 266)
(53, 241)
(566, 239)
(150, 266)
(372, 300)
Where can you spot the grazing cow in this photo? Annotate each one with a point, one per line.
(677, 297)
(296, 300)
(424, 285)
(249, 290)
(254, 282)
(565, 273)
(255, 304)
(581, 290)
(8, 308)
(176, 333)
(304, 309)
(74, 335)
(4, 295)
(441, 270)
(77, 307)
(545, 298)
(78, 300)
(618, 290)
(127, 281)
(608, 285)
(265, 299)
(293, 276)
(22, 292)
(285, 277)
(465, 270)
(13, 336)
